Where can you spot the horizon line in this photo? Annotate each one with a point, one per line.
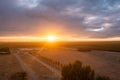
(44, 39)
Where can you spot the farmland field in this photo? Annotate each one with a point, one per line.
(8, 66)
(39, 60)
(103, 62)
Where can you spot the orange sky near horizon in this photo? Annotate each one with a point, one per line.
(38, 39)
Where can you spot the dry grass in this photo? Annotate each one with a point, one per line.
(104, 63)
(42, 72)
(8, 66)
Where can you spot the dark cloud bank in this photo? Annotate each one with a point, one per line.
(88, 18)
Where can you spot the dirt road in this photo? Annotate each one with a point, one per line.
(36, 69)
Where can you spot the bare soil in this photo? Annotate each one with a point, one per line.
(41, 71)
(103, 62)
(8, 66)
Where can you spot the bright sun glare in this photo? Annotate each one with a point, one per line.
(51, 38)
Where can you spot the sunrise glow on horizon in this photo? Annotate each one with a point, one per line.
(51, 39)
(75, 18)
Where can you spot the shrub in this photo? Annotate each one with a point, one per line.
(76, 71)
(102, 78)
(19, 76)
(5, 50)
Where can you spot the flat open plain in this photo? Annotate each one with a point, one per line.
(103, 62)
(8, 66)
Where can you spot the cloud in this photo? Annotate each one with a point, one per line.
(28, 3)
(96, 29)
(93, 18)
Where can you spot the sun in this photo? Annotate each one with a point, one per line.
(51, 38)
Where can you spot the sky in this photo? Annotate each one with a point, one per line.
(98, 19)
